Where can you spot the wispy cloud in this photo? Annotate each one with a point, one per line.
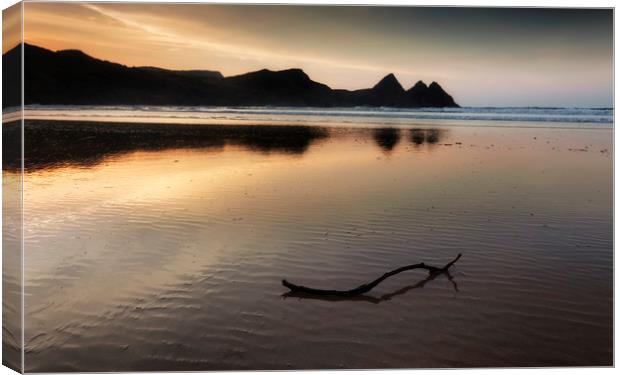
(175, 38)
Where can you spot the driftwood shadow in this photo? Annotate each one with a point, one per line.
(372, 299)
(359, 293)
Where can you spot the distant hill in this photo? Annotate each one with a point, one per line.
(71, 77)
(189, 73)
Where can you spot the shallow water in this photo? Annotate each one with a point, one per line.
(338, 116)
(170, 257)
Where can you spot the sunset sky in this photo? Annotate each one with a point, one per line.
(483, 57)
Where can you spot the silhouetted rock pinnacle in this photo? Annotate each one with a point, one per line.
(437, 95)
(389, 84)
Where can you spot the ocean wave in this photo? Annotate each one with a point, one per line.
(499, 114)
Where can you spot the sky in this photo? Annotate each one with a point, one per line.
(11, 26)
(482, 56)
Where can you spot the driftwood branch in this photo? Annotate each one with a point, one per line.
(365, 288)
(369, 298)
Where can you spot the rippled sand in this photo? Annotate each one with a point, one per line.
(170, 256)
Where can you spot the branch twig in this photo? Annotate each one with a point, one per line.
(365, 288)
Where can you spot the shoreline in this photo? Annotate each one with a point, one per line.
(363, 117)
(409, 124)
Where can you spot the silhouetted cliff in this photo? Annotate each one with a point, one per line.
(72, 77)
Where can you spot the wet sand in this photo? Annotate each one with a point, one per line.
(166, 252)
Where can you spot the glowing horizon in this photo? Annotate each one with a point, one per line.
(482, 56)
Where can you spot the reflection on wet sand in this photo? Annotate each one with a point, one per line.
(372, 299)
(421, 136)
(387, 138)
(52, 144)
(57, 143)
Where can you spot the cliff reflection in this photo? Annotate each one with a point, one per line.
(51, 144)
(386, 138)
(421, 136)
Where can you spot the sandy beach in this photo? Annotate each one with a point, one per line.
(156, 247)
